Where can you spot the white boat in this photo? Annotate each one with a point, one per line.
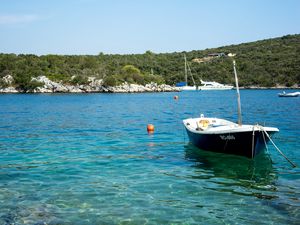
(186, 87)
(293, 94)
(207, 85)
(219, 135)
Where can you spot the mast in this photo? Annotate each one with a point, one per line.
(189, 68)
(185, 70)
(238, 95)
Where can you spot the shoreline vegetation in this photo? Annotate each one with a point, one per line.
(266, 64)
(97, 86)
(45, 85)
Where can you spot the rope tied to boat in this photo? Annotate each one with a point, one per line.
(253, 136)
(265, 142)
(275, 146)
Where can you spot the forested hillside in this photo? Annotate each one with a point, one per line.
(262, 63)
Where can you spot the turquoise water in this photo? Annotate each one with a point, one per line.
(87, 159)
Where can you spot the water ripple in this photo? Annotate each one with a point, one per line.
(88, 159)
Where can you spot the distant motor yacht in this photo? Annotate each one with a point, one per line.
(212, 85)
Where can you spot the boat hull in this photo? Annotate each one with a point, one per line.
(214, 88)
(288, 95)
(207, 85)
(188, 88)
(240, 143)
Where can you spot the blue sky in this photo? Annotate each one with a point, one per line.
(135, 26)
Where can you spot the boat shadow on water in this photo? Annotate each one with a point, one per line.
(255, 176)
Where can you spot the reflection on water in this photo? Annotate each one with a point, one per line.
(235, 174)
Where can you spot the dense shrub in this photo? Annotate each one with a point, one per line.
(26, 84)
(110, 81)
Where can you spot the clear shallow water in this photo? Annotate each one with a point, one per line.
(87, 159)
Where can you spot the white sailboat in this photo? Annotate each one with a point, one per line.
(186, 87)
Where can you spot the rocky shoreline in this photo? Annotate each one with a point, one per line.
(94, 86)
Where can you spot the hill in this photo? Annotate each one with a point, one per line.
(264, 63)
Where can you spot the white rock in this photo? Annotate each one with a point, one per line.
(51, 85)
(94, 86)
(94, 82)
(8, 79)
(73, 89)
(9, 90)
(135, 88)
(42, 90)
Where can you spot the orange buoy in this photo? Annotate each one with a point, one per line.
(176, 97)
(150, 128)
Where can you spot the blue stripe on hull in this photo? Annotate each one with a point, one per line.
(231, 143)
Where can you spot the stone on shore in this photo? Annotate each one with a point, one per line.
(136, 88)
(94, 85)
(9, 90)
(8, 79)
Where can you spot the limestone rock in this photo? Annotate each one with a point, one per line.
(68, 88)
(94, 85)
(8, 79)
(42, 90)
(50, 85)
(9, 90)
(94, 82)
(136, 88)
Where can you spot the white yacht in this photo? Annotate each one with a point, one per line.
(188, 88)
(212, 85)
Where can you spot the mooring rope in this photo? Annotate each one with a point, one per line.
(293, 164)
(265, 142)
(263, 134)
(253, 135)
(183, 134)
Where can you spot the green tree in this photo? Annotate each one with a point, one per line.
(110, 81)
(25, 83)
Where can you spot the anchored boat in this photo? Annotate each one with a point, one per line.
(293, 94)
(185, 86)
(212, 85)
(219, 135)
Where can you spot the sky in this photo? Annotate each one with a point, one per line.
(89, 27)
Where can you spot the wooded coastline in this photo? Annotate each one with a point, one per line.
(271, 63)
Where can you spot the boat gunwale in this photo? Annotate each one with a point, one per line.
(233, 127)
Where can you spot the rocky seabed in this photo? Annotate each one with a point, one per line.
(94, 86)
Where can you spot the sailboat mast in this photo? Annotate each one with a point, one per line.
(189, 69)
(185, 70)
(238, 95)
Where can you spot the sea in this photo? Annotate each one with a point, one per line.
(88, 159)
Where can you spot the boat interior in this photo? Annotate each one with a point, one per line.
(216, 125)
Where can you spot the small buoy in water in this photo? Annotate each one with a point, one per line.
(176, 97)
(150, 128)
